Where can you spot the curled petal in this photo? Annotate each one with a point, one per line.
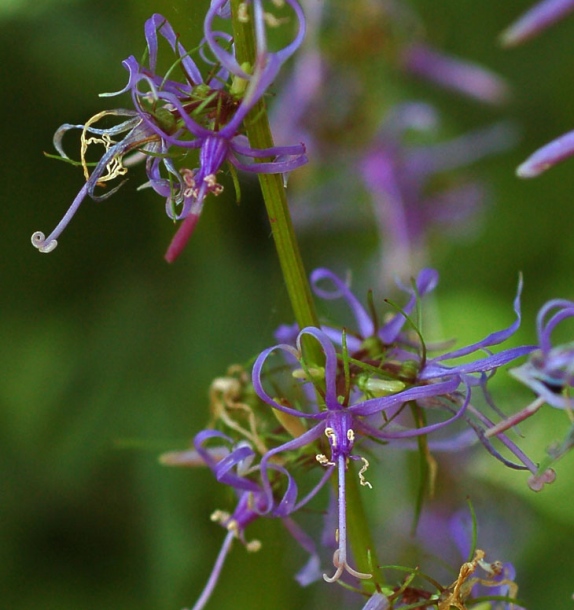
(158, 23)
(40, 242)
(544, 328)
(272, 61)
(492, 339)
(224, 469)
(47, 244)
(341, 290)
(288, 505)
(426, 282)
(436, 370)
(396, 434)
(285, 158)
(262, 393)
(330, 364)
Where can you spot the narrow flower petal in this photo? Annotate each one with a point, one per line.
(466, 77)
(546, 157)
(540, 17)
(181, 237)
(215, 572)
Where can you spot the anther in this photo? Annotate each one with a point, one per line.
(330, 434)
(362, 479)
(323, 460)
(242, 14)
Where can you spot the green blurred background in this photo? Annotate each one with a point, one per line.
(107, 352)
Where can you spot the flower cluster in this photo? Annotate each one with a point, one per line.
(171, 118)
(399, 178)
(298, 433)
(374, 385)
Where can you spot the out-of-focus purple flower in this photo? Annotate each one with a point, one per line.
(172, 117)
(547, 156)
(400, 178)
(450, 538)
(464, 77)
(538, 18)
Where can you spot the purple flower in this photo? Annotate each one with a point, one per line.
(173, 117)
(342, 416)
(366, 326)
(233, 465)
(268, 63)
(549, 371)
(398, 355)
(541, 16)
(462, 76)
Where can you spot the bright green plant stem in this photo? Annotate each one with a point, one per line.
(295, 277)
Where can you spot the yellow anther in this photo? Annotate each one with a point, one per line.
(324, 460)
(242, 13)
(362, 479)
(253, 546)
(273, 21)
(330, 434)
(115, 166)
(219, 516)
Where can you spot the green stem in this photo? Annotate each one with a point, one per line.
(295, 277)
(359, 534)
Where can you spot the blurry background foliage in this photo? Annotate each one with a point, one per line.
(107, 352)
